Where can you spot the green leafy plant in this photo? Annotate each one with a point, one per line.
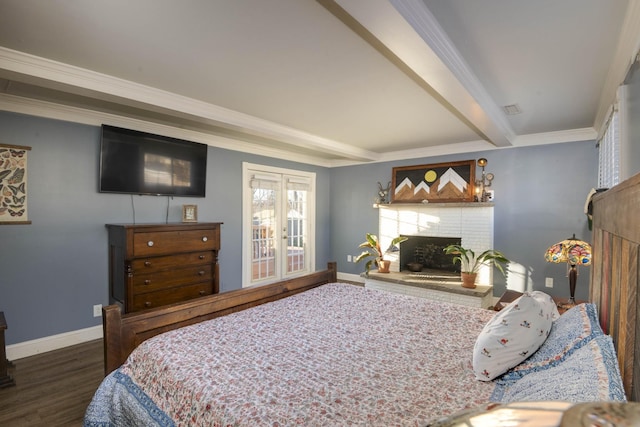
(470, 263)
(373, 252)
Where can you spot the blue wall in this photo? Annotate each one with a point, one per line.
(54, 270)
(539, 200)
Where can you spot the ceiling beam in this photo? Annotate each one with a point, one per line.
(407, 34)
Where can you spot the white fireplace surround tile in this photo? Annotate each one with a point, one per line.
(472, 223)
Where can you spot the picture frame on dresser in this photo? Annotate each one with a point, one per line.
(189, 213)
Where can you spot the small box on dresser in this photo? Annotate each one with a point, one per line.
(151, 265)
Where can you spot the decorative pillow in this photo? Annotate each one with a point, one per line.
(513, 334)
(589, 373)
(576, 327)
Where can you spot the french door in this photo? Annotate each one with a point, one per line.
(278, 217)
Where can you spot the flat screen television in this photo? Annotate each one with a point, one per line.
(134, 162)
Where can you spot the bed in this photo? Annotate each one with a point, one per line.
(338, 354)
(312, 351)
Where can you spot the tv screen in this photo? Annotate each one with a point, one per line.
(134, 162)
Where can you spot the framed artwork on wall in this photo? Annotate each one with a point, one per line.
(189, 213)
(437, 183)
(13, 184)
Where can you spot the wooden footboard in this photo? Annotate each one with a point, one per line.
(615, 275)
(123, 333)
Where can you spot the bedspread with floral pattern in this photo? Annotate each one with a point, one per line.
(335, 355)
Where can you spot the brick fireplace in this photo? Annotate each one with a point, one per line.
(472, 223)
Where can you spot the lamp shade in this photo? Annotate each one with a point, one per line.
(573, 251)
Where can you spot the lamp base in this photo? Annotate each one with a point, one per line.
(571, 302)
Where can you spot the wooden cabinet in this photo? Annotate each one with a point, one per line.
(158, 264)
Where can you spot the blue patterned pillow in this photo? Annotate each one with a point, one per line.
(572, 330)
(588, 373)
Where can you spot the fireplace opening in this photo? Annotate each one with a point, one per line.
(425, 253)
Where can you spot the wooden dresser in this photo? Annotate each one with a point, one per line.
(151, 265)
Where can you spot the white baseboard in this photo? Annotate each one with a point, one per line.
(350, 277)
(53, 342)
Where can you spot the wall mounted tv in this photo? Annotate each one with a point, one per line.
(134, 162)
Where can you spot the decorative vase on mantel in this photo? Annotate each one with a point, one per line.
(468, 280)
(383, 265)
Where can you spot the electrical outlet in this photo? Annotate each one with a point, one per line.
(355, 257)
(348, 258)
(548, 282)
(97, 310)
(490, 195)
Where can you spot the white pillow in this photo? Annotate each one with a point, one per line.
(513, 334)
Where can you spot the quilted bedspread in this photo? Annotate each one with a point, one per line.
(335, 355)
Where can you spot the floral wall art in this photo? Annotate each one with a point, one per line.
(13, 184)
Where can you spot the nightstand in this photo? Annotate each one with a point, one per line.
(510, 296)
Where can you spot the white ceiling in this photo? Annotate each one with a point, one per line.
(324, 82)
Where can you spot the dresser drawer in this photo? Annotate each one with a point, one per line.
(169, 296)
(167, 242)
(143, 283)
(153, 264)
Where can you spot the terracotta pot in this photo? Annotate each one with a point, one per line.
(383, 266)
(468, 280)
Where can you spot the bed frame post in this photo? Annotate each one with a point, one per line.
(112, 336)
(333, 271)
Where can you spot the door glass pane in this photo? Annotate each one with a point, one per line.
(296, 230)
(264, 244)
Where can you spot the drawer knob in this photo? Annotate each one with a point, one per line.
(150, 243)
(147, 304)
(147, 263)
(201, 273)
(147, 282)
(202, 292)
(201, 257)
(205, 238)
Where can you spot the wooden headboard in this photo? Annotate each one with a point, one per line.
(123, 333)
(614, 275)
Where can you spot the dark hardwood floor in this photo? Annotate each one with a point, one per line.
(53, 388)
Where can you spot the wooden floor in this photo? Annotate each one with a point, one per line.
(54, 388)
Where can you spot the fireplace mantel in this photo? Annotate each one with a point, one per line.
(437, 205)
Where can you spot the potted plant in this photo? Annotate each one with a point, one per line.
(470, 263)
(374, 252)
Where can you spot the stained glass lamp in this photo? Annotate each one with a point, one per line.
(574, 252)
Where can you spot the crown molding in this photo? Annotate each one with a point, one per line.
(67, 113)
(572, 135)
(105, 87)
(625, 55)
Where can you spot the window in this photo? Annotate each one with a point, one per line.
(278, 218)
(609, 153)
